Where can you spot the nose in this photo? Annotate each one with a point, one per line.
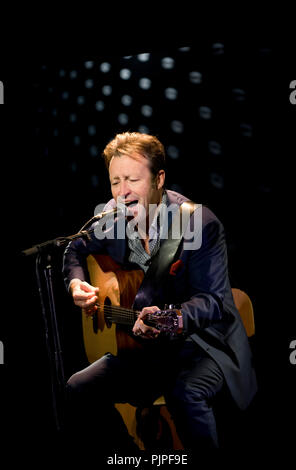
(123, 190)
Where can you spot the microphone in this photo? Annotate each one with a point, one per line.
(99, 216)
(112, 211)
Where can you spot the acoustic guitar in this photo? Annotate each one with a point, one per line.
(110, 328)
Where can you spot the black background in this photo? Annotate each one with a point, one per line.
(42, 199)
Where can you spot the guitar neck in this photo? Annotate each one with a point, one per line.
(169, 321)
(119, 315)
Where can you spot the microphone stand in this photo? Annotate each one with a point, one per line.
(53, 345)
(51, 329)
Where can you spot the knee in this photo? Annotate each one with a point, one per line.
(189, 392)
(81, 385)
(75, 384)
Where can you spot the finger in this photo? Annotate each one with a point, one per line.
(82, 296)
(149, 334)
(146, 310)
(91, 302)
(90, 311)
(140, 329)
(149, 331)
(86, 287)
(86, 303)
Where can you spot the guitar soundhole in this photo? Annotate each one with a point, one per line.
(107, 320)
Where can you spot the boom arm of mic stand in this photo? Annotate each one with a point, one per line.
(56, 242)
(60, 241)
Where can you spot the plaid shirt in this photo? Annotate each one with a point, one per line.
(138, 255)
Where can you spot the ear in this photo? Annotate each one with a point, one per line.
(160, 179)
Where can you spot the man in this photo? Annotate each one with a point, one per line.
(210, 350)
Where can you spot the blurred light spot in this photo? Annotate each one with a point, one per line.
(184, 49)
(264, 189)
(94, 181)
(125, 74)
(93, 150)
(76, 140)
(80, 100)
(100, 105)
(146, 110)
(171, 93)
(195, 77)
(55, 132)
(143, 129)
(127, 57)
(89, 64)
(92, 129)
(264, 51)
(65, 95)
(217, 180)
(218, 48)
(62, 73)
(73, 74)
(205, 112)
(239, 94)
(143, 57)
(105, 67)
(126, 100)
(122, 118)
(177, 126)
(89, 83)
(107, 90)
(54, 112)
(43, 67)
(246, 130)
(50, 89)
(173, 152)
(73, 167)
(167, 63)
(145, 83)
(214, 147)
(73, 117)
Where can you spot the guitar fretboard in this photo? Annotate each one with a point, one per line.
(117, 314)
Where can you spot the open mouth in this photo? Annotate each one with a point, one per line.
(131, 203)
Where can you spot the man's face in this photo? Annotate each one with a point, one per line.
(131, 180)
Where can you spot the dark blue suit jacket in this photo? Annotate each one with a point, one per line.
(202, 287)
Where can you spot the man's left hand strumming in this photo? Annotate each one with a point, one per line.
(145, 331)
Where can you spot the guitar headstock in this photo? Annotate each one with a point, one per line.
(168, 321)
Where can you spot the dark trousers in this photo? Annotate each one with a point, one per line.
(181, 371)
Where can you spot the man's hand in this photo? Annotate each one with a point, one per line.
(145, 331)
(84, 295)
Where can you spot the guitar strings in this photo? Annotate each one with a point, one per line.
(119, 310)
(121, 313)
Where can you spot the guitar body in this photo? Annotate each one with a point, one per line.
(117, 287)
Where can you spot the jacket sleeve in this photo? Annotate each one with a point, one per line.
(74, 260)
(206, 278)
